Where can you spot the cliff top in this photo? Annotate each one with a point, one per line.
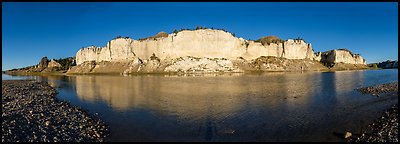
(345, 49)
(266, 40)
(201, 28)
(342, 49)
(158, 35)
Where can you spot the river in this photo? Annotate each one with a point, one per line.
(276, 106)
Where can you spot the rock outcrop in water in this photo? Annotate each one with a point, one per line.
(203, 50)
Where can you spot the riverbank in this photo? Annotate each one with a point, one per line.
(23, 73)
(32, 113)
(379, 89)
(385, 128)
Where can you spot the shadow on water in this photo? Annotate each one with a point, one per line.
(209, 130)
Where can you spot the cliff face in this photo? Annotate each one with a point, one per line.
(90, 53)
(215, 49)
(341, 56)
(42, 64)
(199, 43)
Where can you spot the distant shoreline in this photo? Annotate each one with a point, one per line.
(24, 72)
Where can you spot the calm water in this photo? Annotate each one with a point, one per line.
(308, 106)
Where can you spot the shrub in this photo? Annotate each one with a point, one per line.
(267, 40)
(158, 35)
(154, 57)
(175, 31)
(66, 63)
(247, 44)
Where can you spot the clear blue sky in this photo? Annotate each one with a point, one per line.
(58, 30)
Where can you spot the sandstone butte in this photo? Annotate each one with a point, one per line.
(206, 50)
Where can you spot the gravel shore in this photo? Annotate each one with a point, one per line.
(379, 89)
(385, 128)
(32, 113)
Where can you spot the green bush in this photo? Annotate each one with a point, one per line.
(66, 63)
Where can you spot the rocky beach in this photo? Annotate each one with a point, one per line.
(32, 113)
(380, 89)
(386, 127)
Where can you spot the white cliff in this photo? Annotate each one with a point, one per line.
(205, 44)
(341, 56)
(199, 43)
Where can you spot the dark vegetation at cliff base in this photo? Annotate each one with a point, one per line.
(32, 113)
(66, 63)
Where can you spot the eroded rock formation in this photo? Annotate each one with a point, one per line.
(42, 64)
(53, 63)
(199, 43)
(341, 56)
(175, 52)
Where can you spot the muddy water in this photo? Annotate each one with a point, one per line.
(309, 106)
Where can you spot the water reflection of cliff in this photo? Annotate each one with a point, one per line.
(348, 80)
(333, 87)
(196, 96)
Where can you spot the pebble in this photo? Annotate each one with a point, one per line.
(347, 135)
(32, 113)
(383, 88)
(47, 123)
(384, 129)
